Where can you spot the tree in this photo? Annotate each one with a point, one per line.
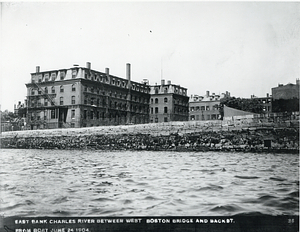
(8, 116)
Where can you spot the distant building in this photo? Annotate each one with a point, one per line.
(285, 98)
(288, 91)
(266, 103)
(168, 102)
(203, 108)
(82, 97)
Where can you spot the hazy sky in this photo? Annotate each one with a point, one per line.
(242, 47)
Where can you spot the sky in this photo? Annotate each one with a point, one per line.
(245, 48)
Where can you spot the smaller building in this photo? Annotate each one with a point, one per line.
(285, 98)
(168, 102)
(203, 108)
(286, 92)
(266, 103)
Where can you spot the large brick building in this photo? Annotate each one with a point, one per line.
(168, 102)
(82, 97)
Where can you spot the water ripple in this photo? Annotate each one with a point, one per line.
(82, 183)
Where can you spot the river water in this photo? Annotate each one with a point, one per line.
(132, 183)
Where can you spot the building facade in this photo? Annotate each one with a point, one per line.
(285, 98)
(266, 103)
(168, 102)
(82, 97)
(203, 108)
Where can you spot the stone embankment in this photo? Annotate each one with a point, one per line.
(175, 136)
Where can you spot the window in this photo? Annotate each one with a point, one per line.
(62, 75)
(207, 107)
(52, 114)
(85, 114)
(39, 91)
(32, 92)
(192, 108)
(156, 110)
(165, 110)
(202, 108)
(165, 90)
(165, 99)
(165, 119)
(45, 102)
(156, 100)
(192, 117)
(73, 100)
(151, 110)
(74, 73)
(61, 100)
(72, 125)
(46, 90)
(73, 88)
(53, 89)
(73, 114)
(156, 119)
(53, 76)
(92, 114)
(151, 100)
(46, 77)
(61, 89)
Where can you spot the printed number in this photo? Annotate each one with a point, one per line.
(291, 220)
(70, 230)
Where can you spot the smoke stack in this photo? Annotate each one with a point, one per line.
(37, 69)
(162, 82)
(88, 65)
(128, 71)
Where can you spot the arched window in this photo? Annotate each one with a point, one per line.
(73, 88)
(156, 100)
(165, 99)
(53, 89)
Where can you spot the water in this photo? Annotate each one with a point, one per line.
(130, 183)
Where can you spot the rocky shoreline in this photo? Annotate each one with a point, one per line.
(272, 140)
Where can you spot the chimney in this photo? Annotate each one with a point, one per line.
(37, 69)
(88, 65)
(169, 82)
(267, 95)
(162, 82)
(128, 71)
(207, 93)
(107, 71)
